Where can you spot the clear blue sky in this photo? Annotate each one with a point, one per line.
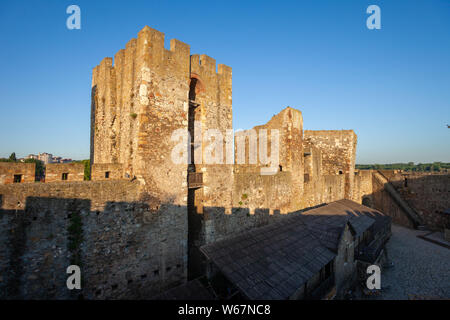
(392, 86)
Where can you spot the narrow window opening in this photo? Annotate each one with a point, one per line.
(17, 178)
(406, 182)
(65, 176)
(340, 172)
(281, 168)
(192, 88)
(107, 175)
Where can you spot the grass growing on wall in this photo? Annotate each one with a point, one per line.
(75, 237)
(87, 168)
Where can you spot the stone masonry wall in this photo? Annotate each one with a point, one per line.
(427, 193)
(54, 172)
(9, 169)
(106, 171)
(383, 201)
(126, 249)
(338, 154)
(363, 186)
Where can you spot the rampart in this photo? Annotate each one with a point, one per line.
(426, 193)
(338, 154)
(107, 171)
(13, 172)
(125, 249)
(64, 172)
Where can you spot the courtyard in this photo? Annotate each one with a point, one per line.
(421, 269)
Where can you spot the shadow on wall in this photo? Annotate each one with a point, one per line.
(126, 251)
(427, 194)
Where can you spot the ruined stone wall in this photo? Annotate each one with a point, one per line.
(363, 187)
(54, 172)
(338, 154)
(9, 169)
(427, 193)
(106, 171)
(286, 179)
(127, 250)
(149, 93)
(313, 179)
(333, 188)
(384, 202)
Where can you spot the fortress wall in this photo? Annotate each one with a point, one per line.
(427, 193)
(147, 88)
(128, 250)
(9, 169)
(313, 180)
(239, 197)
(289, 123)
(100, 171)
(384, 202)
(213, 90)
(333, 188)
(338, 154)
(54, 172)
(363, 186)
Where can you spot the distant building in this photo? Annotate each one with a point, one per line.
(56, 159)
(46, 157)
(32, 156)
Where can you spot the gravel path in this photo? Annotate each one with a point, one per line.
(421, 268)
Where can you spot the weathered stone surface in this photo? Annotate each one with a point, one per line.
(107, 171)
(8, 170)
(128, 249)
(64, 171)
(141, 233)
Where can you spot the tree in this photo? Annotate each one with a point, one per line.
(12, 157)
(39, 171)
(87, 168)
